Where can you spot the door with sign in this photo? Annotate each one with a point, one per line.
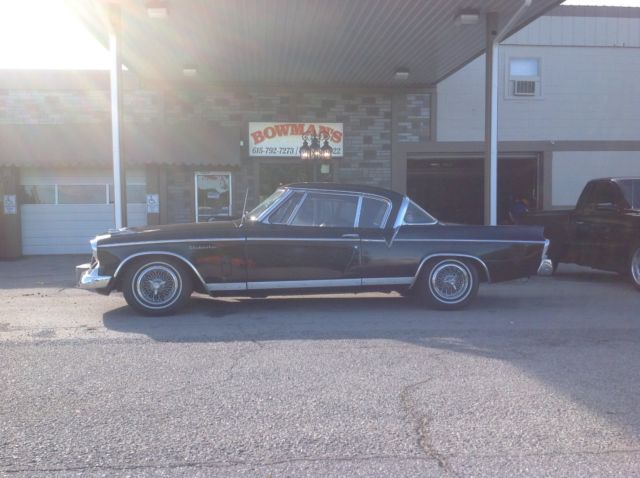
(213, 196)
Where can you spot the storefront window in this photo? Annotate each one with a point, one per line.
(213, 196)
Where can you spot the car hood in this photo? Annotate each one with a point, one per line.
(173, 232)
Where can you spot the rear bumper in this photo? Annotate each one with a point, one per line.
(89, 278)
(546, 265)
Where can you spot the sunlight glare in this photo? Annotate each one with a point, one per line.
(46, 34)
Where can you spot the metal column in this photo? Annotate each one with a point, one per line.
(119, 168)
(491, 122)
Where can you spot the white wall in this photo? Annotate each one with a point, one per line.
(571, 170)
(588, 92)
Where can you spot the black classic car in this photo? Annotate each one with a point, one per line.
(308, 238)
(602, 232)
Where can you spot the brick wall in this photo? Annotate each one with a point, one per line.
(366, 117)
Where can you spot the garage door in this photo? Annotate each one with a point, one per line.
(61, 214)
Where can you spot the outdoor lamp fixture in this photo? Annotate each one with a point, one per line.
(157, 10)
(314, 151)
(305, 151)
(468, 17)
(401, 74)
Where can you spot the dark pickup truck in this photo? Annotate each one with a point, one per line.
(602, 232)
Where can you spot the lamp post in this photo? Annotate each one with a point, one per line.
(312, 151)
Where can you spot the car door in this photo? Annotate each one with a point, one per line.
(309, 241)
(596, 228)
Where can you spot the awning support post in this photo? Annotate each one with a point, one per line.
(493, 39)
(491, 123)
(119, 168)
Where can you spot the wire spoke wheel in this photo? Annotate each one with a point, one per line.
(447, 284)
(450, 282)
(157, 285)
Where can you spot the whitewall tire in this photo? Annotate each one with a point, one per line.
(447, 284)
(156, 286)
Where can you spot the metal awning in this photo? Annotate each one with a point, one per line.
(304, 42)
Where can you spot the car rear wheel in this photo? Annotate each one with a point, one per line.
(448, 284)
(634, 267)
(156, 286)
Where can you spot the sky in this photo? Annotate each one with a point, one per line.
(44, 34)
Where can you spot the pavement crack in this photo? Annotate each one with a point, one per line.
(421, 426)
(209, 464)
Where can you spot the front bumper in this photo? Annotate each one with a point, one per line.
(87, 277)
(546, 264)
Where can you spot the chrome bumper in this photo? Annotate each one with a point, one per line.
(546, 264)
(88, 278)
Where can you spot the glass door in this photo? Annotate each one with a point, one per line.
(213, 196)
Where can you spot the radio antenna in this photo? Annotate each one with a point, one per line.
(244, 207)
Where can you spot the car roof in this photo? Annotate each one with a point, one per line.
(353, 188)
(617, 178)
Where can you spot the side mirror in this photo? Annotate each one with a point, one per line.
(606, 207)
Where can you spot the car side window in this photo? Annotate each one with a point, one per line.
(283, 212)
(326, 210)
(602, 193)
(416, 215)
(373, 212)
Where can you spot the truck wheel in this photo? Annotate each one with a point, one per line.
(156, 286)
(448, 284)
(634, 266)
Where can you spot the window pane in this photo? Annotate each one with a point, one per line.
(373, 212)
(327, 210)
(524, 67)
(416, 215)
(264, 205)
(213, 196)
(136, 194)
(82, 194)
(631, 190)
(38, 194)
(281, 215)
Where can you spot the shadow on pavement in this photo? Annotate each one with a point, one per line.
(591, 361)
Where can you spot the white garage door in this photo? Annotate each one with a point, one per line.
(62, 210)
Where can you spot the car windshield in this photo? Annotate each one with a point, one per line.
(255, 213)
(631, 190)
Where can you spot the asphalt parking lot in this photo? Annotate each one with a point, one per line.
(538, 378)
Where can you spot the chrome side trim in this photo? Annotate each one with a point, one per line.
(221, 286)
(471, 240)
(453, 255)
(160, 253)
(171, 241)
(313, 239)
(303, 284)
(387, 281)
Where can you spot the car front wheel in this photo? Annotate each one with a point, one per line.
(634, 267)
(156, 286)
(448, 284)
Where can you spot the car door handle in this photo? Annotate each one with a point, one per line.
(351, 236)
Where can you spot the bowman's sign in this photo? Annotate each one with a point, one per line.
(285, 139)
